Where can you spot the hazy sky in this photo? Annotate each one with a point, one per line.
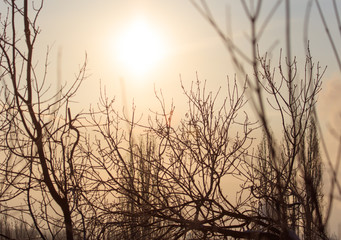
(95, 27)
(73, 28)
(78, 27)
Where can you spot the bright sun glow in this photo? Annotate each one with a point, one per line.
(139, 48)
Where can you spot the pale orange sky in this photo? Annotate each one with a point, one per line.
(83, 26)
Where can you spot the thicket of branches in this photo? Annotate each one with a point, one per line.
(103, 175)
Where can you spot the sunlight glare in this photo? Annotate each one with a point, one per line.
(139, 48)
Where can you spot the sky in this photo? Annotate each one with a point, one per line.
(190, 47)
(95, 27)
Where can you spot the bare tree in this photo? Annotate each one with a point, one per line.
(191, 163)
(303, 197)
(93, 178)
(194, 159)
(294, 100)
(42, 165)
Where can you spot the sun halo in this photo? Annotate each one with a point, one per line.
(139, 47)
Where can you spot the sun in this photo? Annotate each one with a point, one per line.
(139, 47)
